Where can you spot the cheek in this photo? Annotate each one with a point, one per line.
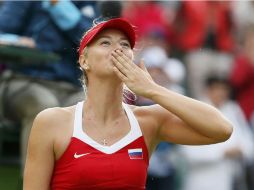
(97, 56)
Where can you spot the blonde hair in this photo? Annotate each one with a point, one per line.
(84, 79)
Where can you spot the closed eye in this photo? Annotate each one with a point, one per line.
(105, 42)
(125, 44)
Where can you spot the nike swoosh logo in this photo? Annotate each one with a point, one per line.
(80, 155)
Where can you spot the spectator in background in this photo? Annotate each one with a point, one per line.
(1, 68)
(242, 74)
(52, 26)
(252, 120)
(243, 16)
(109, 9)
(148, 17)
(161, 172)
(220, 165)
(167, 72)
(201, 24)
(203, 30)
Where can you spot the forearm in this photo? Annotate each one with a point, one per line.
(201, 117)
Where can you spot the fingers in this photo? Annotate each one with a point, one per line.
(125, 68)
(119, 74)
(142, 65)
(119, 65)
(123, 59)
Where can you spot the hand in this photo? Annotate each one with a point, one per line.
(27, 42)
(12, 39)
(137, 79)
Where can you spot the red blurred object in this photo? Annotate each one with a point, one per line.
(196, 19)
(148, 17)
(242, 79)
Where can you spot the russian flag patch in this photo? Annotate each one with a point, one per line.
(136, 153)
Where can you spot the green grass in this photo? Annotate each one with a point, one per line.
(10, 177)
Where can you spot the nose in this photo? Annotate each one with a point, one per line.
(119, 49)
(118, 46)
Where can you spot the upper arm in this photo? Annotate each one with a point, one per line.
(40, 155)
(172, 129)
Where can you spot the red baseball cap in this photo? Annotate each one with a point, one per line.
(117, 23)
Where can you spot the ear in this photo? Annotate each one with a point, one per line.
(83, 64)
(85, 67)
(82, 60)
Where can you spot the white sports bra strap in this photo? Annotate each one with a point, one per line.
(133, 134)
(132, 119)
(78, 120)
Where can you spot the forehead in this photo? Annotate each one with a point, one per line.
(112, 33)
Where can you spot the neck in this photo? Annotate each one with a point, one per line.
(104, 100)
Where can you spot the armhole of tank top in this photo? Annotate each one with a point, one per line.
(133, 120)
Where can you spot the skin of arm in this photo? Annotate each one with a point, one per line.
(184, 120)
(40, 156)
(179, 119)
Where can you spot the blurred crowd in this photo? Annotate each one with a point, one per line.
(202, 49)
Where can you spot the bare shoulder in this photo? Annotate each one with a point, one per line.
(142, 110)
(52, 129)
(56, 115)
(50, 120)
(145, 116)
(151, 112)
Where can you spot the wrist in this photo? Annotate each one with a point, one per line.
(153, 91)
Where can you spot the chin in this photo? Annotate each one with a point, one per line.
(108, 73)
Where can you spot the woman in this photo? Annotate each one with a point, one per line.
(102, 143)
